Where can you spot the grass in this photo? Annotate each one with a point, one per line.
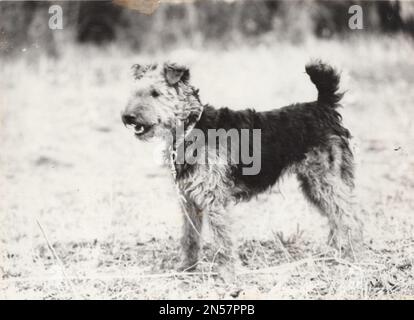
(109, 210)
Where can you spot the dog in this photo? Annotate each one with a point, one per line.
(306, 139)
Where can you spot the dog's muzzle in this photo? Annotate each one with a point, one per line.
(130, 121)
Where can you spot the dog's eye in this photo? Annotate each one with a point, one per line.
(155, 94)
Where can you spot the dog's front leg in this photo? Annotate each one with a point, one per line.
(210, 189)
(223, 253)
(191, 238)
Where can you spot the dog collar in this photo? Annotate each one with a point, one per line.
(173, 148)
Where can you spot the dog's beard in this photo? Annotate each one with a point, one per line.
(142, 131)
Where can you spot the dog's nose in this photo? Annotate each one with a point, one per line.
(128, 119)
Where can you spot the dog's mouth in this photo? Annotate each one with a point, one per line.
(140, 129)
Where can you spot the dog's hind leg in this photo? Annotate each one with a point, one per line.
(326, 178)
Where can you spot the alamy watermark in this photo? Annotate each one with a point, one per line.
(56, 19)
(241, 147)
(356, 21)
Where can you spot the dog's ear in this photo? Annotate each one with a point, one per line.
(174, 73)
(138, 70)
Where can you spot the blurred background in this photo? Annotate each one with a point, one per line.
(194, 23)
(71, 175)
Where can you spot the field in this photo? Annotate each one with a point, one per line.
(72, 176)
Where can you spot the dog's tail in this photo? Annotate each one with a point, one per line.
(326, 79)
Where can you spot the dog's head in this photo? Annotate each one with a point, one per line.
(162, 99)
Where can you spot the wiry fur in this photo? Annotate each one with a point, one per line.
(305, 138)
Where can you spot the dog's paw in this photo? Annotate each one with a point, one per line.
(187, 266)
(350, 246)
(226, 273)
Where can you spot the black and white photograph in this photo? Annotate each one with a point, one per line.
(207, 150)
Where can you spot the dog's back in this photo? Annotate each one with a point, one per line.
(288, 133)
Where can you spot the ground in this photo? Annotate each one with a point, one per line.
(73, 177)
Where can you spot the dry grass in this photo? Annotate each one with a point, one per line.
(110, 212)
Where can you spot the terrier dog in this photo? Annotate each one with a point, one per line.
(307, 139)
